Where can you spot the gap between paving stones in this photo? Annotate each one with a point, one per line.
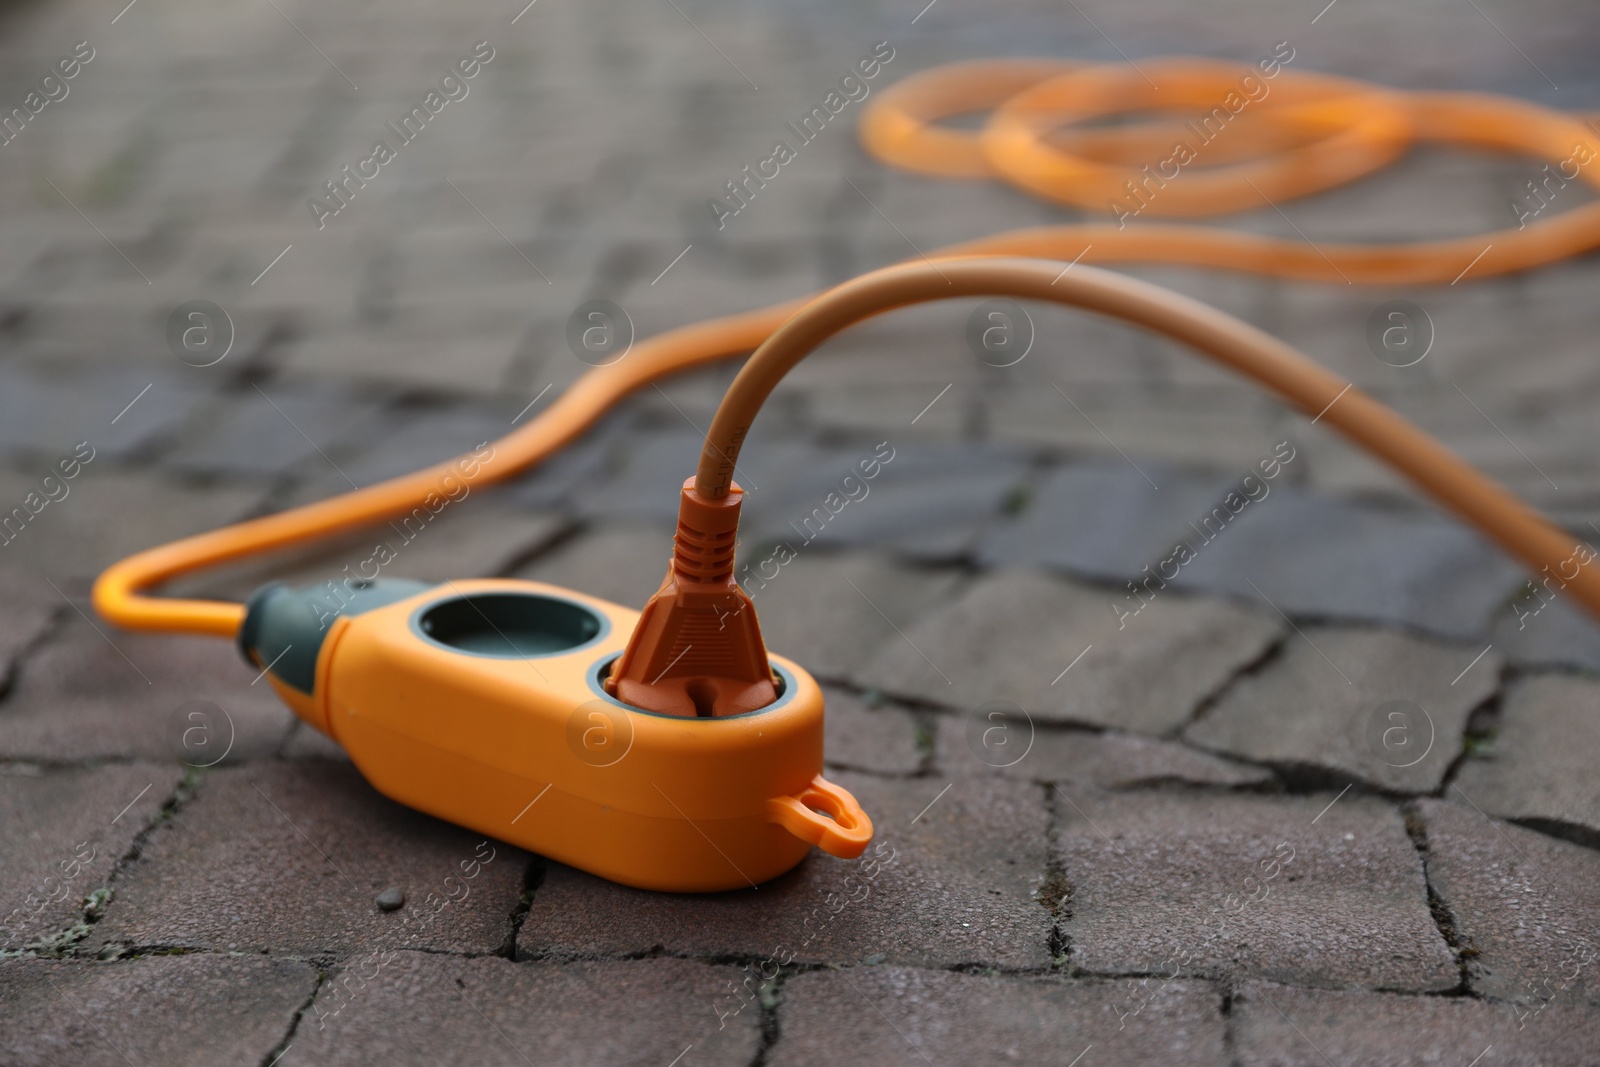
(1463, 951)
(64, 943)
(772, 997)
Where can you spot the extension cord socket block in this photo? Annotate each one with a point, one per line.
(480, 702)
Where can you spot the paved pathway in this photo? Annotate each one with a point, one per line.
(1328, 798)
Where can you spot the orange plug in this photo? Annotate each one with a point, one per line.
(697, 650)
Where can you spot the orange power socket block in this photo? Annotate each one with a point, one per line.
(482, 702)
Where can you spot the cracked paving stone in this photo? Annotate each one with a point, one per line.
(892, 1015)
(832, 612)
(1523, 902)
(31, 606)
(1540, 770)
(1346, 702)
(1312, 889)
(1562, 634)
(198, 1009)
(65, 831)
(287, 857)
(866, 738)
(955, 880)
(406, 1007)
(1282, 1026)
(969, 744)
(77, 698)
(1017, 636)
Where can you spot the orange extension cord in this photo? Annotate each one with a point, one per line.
(1295, 134)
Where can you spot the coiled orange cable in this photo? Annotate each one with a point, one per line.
(1290, 135)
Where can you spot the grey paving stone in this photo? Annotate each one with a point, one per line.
(451, 259)
(863, 737)
(287, 857)
(955, 883)
(931, 500)
(1101, 519)
(704, 284)
(1540, 457)
(112, 695)
(831, 612)
(404, 348)
(874, 379)
(307, 742)
(1242, 294)
(1337, 467)
(988, 744)
(484, 538)
(864, 410)
(273, 429)
(891, 1015)
(183, 1010)
(644, 469)
(1329, 558)
(923, 202)
(476, 538)
(620, 562)
(1539, 771)
(1383, 707)
(1548, 436)
(1017, 636)
(1429, 193)
(410, 1007)
(1545, 460)
(46, 414)
(685, 404)
(1562, 634)
(927, 499)
(1294, 889)
(1289, 1027)
(643, 487)
(402, 439)
(108, 514)
(31, 605)
(66, 831)
(557, 481)
(1171, 427)
(1524, 902)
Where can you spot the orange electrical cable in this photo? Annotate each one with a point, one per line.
(1237, 345)
(899, 128)
(118, 591)
(1346, 130)
(1325, 130)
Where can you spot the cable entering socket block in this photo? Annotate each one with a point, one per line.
(697, 650)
